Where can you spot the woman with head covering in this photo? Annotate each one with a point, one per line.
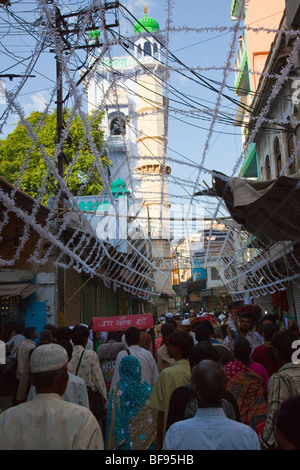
(131, 423)
(247, 380)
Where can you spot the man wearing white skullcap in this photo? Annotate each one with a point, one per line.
(169, 315)
(48, 422)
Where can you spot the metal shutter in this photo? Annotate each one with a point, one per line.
(73, 297)
(89, 301)
(266, 303)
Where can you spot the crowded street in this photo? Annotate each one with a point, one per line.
(150, 228)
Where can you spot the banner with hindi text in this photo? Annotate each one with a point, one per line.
(121, 323)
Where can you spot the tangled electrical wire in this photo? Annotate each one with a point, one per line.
(246, 266)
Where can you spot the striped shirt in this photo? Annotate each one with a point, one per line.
(282, 385)
(89, 369)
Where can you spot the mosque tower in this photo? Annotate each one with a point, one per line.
(152, 114)
(129, 89)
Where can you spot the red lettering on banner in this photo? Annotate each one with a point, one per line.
(123, 322)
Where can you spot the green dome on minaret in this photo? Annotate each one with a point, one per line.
(146, 24)
(94, 34)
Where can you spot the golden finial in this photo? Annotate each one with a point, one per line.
(145, 10)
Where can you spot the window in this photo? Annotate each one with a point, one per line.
(139, 51)
(261, 174)
(155, 51)
(214, 274)
(278, 157)
(147, 48)
(291, 148)
(268, 168)
(117, 126)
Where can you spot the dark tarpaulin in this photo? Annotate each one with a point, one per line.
(270, 210)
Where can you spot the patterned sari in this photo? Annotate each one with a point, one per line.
(247, 387)
(131, 423)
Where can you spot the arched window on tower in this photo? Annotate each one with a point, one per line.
(117, 126)
(291, 147)
(147, 48)
(155, 50)
(268, 168)
(277, 151)
(261, 174)
(139, 50)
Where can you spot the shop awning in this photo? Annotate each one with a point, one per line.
(270, 210)
(15, 289)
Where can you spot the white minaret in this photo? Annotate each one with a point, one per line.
(130, 91)
(152, 125)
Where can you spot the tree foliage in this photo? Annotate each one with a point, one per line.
(24, 154)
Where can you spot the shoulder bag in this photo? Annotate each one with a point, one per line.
(96, 400)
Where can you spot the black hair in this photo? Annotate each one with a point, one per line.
(245, 315)
(235, 303)
(202, 333)
(242, 350)
(29, 331)
(269, 330)
(183, 341)
(282, 341)
(63, 332)
(203, 351)
(270, 317)
(80, 334)
(132, 335)
(208, 324)
(167, 329)
(255, 311)
(53, 328)
(45, 335)
(172, 321)
(287, 420)
(68, 347)
(113, 335)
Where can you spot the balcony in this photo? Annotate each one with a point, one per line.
(236, 7)
(249, 168)
(242, 82)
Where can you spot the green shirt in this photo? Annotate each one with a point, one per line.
(177, 375)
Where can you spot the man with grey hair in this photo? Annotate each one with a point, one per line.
(48, 422)
(210, 429)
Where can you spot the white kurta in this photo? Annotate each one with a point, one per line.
(49, 423)
(76, 392)
(149, 367)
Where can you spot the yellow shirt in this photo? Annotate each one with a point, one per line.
(177, 375)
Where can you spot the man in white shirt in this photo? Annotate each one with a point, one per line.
(47, 422)
(13, 343)
(85, 362)
(22, 371)
(76, 391)
(244, 329)
(210, 429)
(149, 367)
(24, 347)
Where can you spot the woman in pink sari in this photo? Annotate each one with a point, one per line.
(246, 382)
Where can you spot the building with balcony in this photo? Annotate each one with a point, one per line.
(271, 149)
(261, 20)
